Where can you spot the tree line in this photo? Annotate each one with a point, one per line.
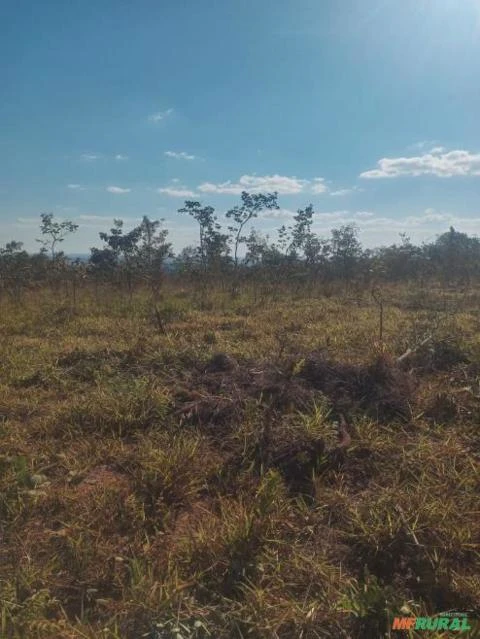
(235, 254)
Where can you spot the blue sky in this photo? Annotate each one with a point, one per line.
(368, 109)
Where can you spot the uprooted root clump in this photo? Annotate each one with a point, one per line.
(216, 395)
(441, 354)
(220, 396)
(380, 388)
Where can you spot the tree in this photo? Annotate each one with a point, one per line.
(122, 245)
(301, 232)
(256, 246)
(346, 249)
(122, 248)
(102, 262)
(54, 232)
(14, 267)
(282, 241)
(139, 253)
(317, 251)
(213, 244)
(252, 204)
(152, 251)
(397, 262)
(456, 255)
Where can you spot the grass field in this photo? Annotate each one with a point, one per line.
(180, 479)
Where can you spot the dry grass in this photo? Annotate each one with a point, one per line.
(182, 485)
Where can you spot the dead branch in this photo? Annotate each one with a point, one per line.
(411, 351)
(160, 323)
(344, 435)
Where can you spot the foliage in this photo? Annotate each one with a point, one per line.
(252, 205)
(54, 232)
(213, 247)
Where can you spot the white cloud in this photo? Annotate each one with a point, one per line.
(331, 216)
(255, 184)
(277, 214)
(90, 157)
(438, 162)
(431, 216)
(121, 157)
(181, 155)
(319, 186)
(117, 190)
(176, 192)
(160, 115)
(363, 214)
(342, 192)
(77, 187)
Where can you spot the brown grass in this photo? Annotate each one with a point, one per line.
(185, 483)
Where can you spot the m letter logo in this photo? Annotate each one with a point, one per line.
(403, 623)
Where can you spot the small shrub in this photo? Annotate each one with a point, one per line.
(120, 407)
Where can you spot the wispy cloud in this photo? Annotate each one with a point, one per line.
(28, 221)
(91, 157)
(181, 155)
(364, 214)
(438, 162)
(342, 192)
(117, 190)
(176, 191)
(255, 184)
(75, 187)
(93, 218)
(422, 145)
(331, 216)
(160, 115)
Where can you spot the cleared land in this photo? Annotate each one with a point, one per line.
(179, 477)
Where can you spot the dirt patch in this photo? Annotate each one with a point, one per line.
(221, 363)
(101, 479)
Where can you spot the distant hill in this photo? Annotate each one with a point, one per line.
(83, 257)
(169, 263)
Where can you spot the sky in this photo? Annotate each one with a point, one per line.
(367, 109)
